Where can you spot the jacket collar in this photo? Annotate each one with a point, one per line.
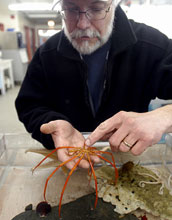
(122, 37)
(123, 34)
(66, 48)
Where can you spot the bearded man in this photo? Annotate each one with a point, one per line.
(98, 75)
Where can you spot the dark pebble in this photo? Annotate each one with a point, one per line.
(29, 207)
(43, 208)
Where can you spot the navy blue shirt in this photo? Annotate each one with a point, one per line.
(96, 72)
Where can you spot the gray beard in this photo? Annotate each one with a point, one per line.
(85, 48)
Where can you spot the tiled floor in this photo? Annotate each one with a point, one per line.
(9, 122)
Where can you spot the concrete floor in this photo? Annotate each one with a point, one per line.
(9, 122)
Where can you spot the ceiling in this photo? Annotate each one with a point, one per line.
(37, 17)
(41, 17)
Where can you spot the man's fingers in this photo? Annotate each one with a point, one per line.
(103, 129)
(47, 128)
(107, 136)
(62, 155)
(97, 134)
(84, 164)
(139, 148)
(118, 136)
(95, 159)
(70, 165)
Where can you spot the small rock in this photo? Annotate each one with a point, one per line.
(29, 207)
(43, 208)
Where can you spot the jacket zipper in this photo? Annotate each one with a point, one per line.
(91, 106)
(102, 98)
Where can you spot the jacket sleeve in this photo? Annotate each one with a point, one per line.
(165, 91)
(32, 103)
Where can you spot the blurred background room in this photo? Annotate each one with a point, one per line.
(26, 24)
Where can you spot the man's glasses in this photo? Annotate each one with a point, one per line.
(91, 14)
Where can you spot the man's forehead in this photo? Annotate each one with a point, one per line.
(89, 1)
(56, 2)
(101, 1)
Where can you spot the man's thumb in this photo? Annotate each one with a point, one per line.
(47, 128)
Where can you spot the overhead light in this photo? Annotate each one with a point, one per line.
(34, 6)
(47, 33)
(42, 15)
(51, 23)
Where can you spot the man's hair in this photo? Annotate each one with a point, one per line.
(56, 2)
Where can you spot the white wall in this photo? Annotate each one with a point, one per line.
(17, 23)
(159, 17)
(7, 20)
(22, 22)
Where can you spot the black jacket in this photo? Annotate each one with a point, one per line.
(139, 69)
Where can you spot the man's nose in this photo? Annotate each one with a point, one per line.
(83, 21)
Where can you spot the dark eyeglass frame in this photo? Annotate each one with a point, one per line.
(86, 13)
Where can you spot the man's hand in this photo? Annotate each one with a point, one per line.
(64, 134)
(133, 131)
